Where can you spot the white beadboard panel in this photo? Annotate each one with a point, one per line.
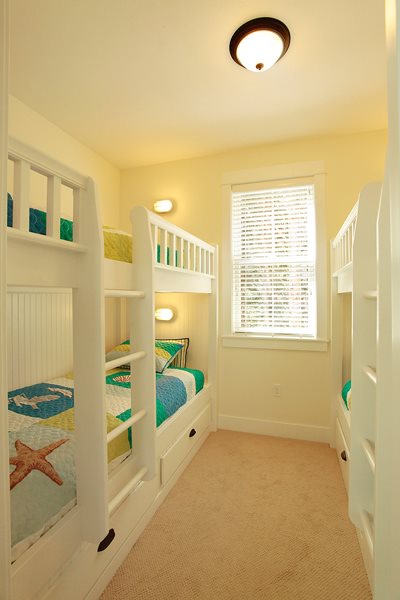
(191, 312)
(116, 326)
(39, 335)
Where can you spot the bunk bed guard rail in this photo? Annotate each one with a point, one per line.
(342, 245)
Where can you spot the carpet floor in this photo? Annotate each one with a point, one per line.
(251, 518)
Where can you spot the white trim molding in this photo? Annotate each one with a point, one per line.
(295, 431)
(273, 172)
(274, 343)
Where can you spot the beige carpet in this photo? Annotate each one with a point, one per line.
(252, 517)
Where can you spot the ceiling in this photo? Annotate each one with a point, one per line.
(150, 81)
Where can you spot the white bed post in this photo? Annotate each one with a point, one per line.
(213, 341)
(142, 331)
(364, 371)
(387, 500)
(336, 346)
(89, 357)
(5, 535)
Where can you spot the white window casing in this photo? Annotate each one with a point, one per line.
(274, 260)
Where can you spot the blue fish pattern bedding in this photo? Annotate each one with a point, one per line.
(42, 443)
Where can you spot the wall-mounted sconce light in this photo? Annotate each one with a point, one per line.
(163, 206)
(259, 44)
(164, 314)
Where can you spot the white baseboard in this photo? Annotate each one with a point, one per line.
(297, 431)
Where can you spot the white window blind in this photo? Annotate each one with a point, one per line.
(274, 257)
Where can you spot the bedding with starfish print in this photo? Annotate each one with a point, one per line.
(42, 458)
(42, 444)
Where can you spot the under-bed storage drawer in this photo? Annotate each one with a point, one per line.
(343, 454)
(173, 457)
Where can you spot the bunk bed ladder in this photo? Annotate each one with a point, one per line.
(387, 508)
(142, 334)
(88, 352)
(143, 390)
(364, 373)
(135, 417)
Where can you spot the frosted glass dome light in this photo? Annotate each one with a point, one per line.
(259, 44)
(164, 314)
(163, 206)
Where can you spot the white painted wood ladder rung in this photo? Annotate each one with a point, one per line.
(113, 364)
(124, 294)
(369, 452)
(125, 425)
(126, 490)
(366, 521)
(370, 372)
(371, 295)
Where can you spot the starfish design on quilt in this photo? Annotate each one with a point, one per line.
(123, 378)
(28, 460)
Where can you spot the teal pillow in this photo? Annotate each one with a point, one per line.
(123, 349)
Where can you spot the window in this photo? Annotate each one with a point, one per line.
(274, 271)
(273, 259)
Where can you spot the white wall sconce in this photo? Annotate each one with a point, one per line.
(164, 314)
(163, 206)
(258, 44)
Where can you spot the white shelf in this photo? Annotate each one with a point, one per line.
(123, 294)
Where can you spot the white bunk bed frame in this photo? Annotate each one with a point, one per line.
(355, 270)
(126, 501)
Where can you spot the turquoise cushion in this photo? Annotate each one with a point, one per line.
(345, 391)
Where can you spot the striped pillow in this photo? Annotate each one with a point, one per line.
(181, 357)
(165, 353)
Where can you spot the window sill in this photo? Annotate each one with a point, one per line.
(274, 343)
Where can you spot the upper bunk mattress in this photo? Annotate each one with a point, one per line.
(42, 443)
(117, 243)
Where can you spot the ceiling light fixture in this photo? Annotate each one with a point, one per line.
(163, 206)
(258, 44)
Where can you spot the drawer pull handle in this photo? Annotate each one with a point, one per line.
(192, 432)
(343, 455)
(107, 541)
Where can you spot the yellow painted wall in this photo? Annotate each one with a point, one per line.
(247, 376)
(31, 128)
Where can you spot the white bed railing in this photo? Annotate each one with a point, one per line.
(27, 160)
(342, 245)
(177, 249)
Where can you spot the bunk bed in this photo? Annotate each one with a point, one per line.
(56, 311)
(354, 271)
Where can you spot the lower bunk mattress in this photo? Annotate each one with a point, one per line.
(42, 444)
